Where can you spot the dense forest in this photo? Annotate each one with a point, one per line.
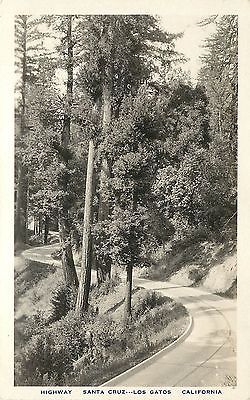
(117, 150)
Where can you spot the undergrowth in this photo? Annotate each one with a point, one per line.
(85, 351)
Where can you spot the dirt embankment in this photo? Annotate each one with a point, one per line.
(209, 265)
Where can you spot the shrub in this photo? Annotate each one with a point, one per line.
(35, 324)
(100, 344)
(146, 300)
(56, 255)
(62, 301)
(196, 275)
(53, 351)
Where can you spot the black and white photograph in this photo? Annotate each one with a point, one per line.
(125, 204)
(125, 200)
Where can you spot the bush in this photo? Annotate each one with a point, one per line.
(57, 254)
(196, 275)
(100, 344)
(145, 300)
(35, 324)
(52, 352)
(62, 301)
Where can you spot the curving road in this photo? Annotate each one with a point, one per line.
(42, 254)
(205, 358)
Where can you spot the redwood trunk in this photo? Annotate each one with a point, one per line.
(129, 270)
(128, 293)
(85, 279)
(63, 218)
(104, 270)
(68, 265)
(46, 229)
(22, 183)
(21, 205)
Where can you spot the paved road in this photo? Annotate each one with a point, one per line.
(206, 356)
(43, 255)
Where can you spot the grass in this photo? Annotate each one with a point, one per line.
(172, 323)
(164, 338)
(33, 284)
(151, 330)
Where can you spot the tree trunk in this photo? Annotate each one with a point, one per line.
(40, 225)
(128, 293)
(106, 119)
(22, 183)
(219, 123)
(21, 206)
(68, 265)
(85, 279)
(63, 218)
(34, 224)
(67, 114)
(104, 271)
(129, 268)
(46, 230)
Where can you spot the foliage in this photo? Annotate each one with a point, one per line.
(219, 75)
(62, 300)
(171, 153)
(133, 45)
(52, 351)
(106, 287)
(145, 301)
(101, 343)
(121, 239)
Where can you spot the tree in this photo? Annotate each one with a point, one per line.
(28, 41)
(218, 75)
(132, 150)
(64, 153)
(120, 53)
(85, 280)
(49, 145)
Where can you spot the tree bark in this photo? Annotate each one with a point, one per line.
(69, 89)
(46, 229)
(85, 279)
(22, 182)
(40, 225)
(106, 120)
(68, 265)
(63, 217)
(128, 293)
(21, 206)
(103, 270)
(129, 268)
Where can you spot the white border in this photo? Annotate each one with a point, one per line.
(167, 7)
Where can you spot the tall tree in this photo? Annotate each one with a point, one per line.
(85, 280)
(28, 41)
(121, 52)
(63, 217)
(219, 76)
(53, 116)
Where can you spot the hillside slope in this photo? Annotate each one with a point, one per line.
(209, 265)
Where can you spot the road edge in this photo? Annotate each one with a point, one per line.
(151, 359)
